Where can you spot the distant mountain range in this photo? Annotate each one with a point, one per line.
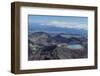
(46, 38)
(54, 29)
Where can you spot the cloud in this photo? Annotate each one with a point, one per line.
(64, 24)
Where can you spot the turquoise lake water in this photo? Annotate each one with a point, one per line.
(75, 46)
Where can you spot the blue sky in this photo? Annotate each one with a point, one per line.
(59, 21)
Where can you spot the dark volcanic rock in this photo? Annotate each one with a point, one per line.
(46, 46)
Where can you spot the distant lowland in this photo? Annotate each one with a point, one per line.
(50, 43)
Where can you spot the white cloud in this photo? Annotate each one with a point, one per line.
(64, 24)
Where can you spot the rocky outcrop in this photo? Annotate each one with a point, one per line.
(45, 46)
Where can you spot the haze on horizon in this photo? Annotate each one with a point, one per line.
(58, 21)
